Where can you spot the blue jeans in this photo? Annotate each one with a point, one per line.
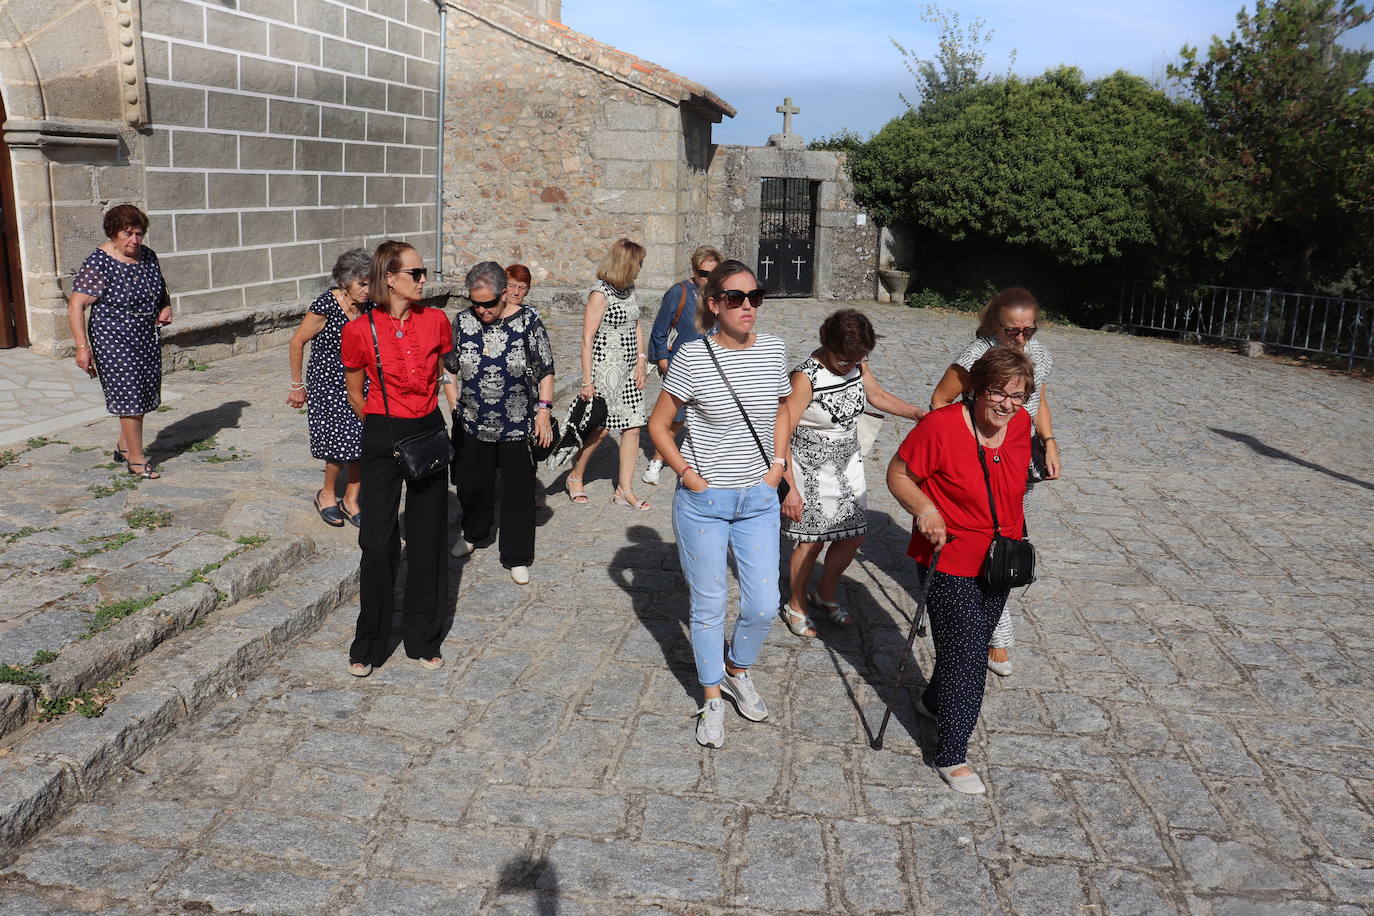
(706, 524)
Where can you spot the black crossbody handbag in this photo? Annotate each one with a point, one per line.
(783, 488)
(419, 455)
(1010, 563)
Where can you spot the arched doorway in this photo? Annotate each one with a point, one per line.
(14, 330)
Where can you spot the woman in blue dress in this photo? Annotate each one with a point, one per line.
(121, 283)
(336, 433)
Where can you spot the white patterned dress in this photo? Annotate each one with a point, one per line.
(614, 352)
(826, 459)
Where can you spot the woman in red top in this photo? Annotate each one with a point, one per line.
(937, 477)
(412, 341)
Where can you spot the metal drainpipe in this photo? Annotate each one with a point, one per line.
(439, 157)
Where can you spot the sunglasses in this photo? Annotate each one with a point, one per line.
(1027, 333)
(489, 304)
(703, 274)
(416, 273)
(734, 298)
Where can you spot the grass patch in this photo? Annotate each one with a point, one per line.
(89, 703)
(107, 614)
(203, 445)
(20, 534)
(19, 674)
(148, 518)
(195, 366)
(103, 544)
(7, 458)
(77, 450)
(40, 441)
(42, 657)
(91, 579)
(107, 466)
(118, 483)
(252, 540)
(221, 459)
(161, 408)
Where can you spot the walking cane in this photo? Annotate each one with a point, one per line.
(917, 629)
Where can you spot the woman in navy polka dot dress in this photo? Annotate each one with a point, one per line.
(121, 283)
(336, 433)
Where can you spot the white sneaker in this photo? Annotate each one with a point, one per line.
(740, 688)
(652, 471)
(461, 548)
(521, 575)
(711, 723)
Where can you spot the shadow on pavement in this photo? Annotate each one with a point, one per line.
(664, 612)
(1268, 451)
(537, 876)
(175, 438)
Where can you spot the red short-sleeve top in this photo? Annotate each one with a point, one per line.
(942, 451)
(411, 361)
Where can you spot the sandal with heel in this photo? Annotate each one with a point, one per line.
(578, 495)
(148, 472)
(799, 622)
(637, 504)
(836, 612)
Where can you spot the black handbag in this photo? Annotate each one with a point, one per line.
(1039, 469)
(538, 452)
(783, 488)
(1010, 563)
(422, 454)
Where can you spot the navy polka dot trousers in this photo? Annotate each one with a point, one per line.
(962, 617)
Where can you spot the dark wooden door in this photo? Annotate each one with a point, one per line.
(787, 236)
(13, 327)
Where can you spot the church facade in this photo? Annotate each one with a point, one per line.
(264, 137)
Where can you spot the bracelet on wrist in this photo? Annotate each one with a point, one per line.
(686, 468)
(297, 386)
(543, 405)
(927, 512)
(1047, 438)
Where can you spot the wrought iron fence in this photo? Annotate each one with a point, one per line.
(1325, 325)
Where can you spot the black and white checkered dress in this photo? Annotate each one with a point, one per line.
(614, 351)
(123, 328)
(336, 433)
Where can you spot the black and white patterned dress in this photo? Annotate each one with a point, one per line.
(123, 328)
(614, 352)
(827, 462)
(336, 433)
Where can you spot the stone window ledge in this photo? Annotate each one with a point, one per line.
(63, 132)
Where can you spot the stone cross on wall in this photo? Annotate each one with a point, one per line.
(787, 110)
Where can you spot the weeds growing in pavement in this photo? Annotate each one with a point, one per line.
(19, 674)
(6, 458)
(148, 518)
(89, 703)
(118, 483)
(42, 657)
(202, 445)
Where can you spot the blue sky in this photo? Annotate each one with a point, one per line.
(836, 61)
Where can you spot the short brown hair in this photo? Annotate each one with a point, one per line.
(706, 319)
(703, 254)
(519, 273)
(620, 264)
(1014, 297)
(848, 334)
(386, 259)
(1000, 365)
(124, 216)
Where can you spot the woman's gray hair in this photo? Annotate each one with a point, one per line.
(353, 265)
(488, 274)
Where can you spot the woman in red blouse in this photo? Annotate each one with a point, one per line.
(937, 477)
(412, 341)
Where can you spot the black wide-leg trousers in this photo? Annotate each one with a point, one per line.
(478, 464)
(379, 500)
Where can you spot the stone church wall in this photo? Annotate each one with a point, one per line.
(846, 255)
(548, 161)
(281, 132)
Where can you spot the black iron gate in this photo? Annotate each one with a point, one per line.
(787, 236)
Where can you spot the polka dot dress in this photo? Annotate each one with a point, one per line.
(962, 617)
(336, 433)
(123, 328)
(614, 352)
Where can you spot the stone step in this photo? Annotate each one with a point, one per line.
(228, 629)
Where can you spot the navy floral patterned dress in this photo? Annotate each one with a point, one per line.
(123, 328)
(336, 433)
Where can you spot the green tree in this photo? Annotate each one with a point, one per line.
(843, 140)
(958, 61)
(1282, 160)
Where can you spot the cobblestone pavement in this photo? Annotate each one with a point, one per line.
(39, 394)
(1188, 728)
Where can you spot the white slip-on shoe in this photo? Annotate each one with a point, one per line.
(461, 548)
(711, 723)
(520, 574)
(740, 688)
(652, 471)
(1001, 669)
(430, 664)
(968, 783)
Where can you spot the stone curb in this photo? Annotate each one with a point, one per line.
(93, 660)
(69, 762)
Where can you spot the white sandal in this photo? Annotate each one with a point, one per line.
(833, 608)
(797, 621)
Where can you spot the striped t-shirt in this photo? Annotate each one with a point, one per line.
(1039, 357)
(718, 442)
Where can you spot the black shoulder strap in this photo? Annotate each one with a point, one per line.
(987, 478)
(381, 377)
(767, 459)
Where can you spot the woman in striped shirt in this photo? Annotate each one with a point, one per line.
(734, 384)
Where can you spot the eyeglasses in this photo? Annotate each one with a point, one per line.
(416, 273)
(734, 298)
(1014, 333)
(489, 304)
(998, 395)
(703, 274)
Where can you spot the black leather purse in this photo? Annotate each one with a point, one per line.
(1010, 563)
(422, 454)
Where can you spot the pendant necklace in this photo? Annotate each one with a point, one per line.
(996, 456)
(401, 331)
